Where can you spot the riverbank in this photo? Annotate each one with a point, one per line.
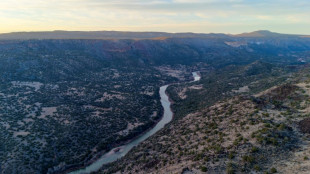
(113, 155)
(120, 151)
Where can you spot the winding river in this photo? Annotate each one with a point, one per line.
(196, 76)
(121, 151)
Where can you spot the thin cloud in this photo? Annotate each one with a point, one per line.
(155, 15)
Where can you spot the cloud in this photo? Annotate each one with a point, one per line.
(154, 15)
(264, 17)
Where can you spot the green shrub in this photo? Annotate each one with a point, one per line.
(273, 170)
(203, 168)
(281, 127)
(231, 155)
(230, 168)
(254, 149)
(248, 159)
(256, 167)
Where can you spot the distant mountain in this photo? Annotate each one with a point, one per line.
(265, 33)
(102, 35)
(59, 34)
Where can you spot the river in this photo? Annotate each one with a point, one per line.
(112, 155)
(196, 76)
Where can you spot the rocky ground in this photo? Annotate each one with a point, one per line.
(263, 133)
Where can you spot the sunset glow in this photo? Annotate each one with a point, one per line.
(227, 16)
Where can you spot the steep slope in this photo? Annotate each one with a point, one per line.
(242, 134)
(218, 84)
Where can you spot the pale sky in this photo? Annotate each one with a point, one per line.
(200, 16)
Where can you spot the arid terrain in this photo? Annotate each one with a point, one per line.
(66, 98)
(266, 132)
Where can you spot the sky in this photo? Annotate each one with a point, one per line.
(199, 16)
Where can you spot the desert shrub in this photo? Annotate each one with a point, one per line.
(273, 170)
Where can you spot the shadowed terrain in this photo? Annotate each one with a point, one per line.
(67, 97)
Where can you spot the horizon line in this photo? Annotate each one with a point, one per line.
(145, 31)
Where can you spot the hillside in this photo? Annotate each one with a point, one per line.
(110, 35)
(115, 35)
(262, 133)
(64, 102)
